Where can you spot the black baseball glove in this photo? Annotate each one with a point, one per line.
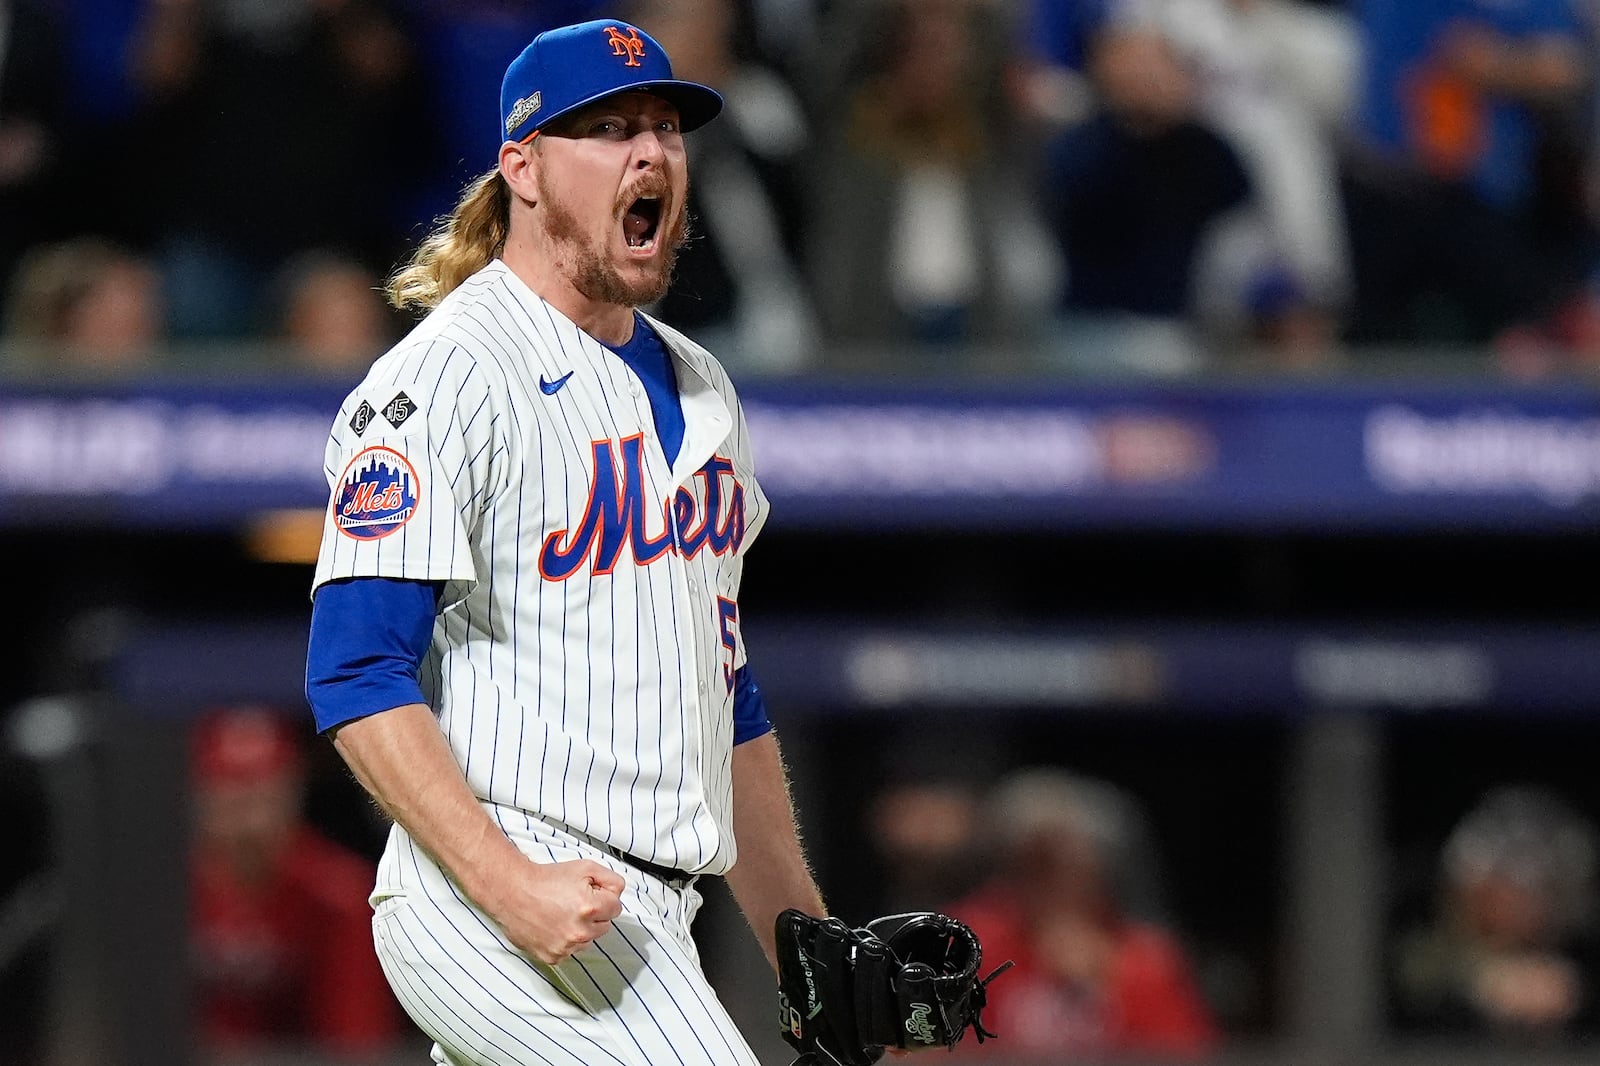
(905, 981)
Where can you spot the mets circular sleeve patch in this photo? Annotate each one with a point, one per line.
(378, 493)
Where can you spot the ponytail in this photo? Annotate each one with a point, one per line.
(459, 246)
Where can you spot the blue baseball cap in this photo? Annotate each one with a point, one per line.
(566, 68)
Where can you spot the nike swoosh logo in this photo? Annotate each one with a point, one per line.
(550, 388)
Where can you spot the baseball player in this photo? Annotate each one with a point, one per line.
(526, 634)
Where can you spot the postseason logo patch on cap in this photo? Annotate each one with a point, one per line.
(522, 110)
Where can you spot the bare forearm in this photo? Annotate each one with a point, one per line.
(771, 873)
(402, 759)
(549, 910)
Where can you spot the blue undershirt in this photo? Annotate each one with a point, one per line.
(647, 357)
(369, 634)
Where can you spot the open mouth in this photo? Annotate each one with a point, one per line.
(641, 221)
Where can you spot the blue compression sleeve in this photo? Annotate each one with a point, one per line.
(749, 707)
(368, 637)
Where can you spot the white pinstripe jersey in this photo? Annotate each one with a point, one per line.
(582, 662)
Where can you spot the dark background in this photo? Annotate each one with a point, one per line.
(1213, 788)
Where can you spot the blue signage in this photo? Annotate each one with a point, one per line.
(957, 456)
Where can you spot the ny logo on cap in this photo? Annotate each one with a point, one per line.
(630, 46)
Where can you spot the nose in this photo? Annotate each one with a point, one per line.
(648, 150)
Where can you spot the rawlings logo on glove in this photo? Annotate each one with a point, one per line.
(918, 1025)
(905, 981)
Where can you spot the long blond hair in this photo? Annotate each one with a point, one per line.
(461, 244)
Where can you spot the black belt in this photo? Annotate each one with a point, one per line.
(671, 875)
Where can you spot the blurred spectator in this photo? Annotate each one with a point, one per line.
(926, 823)
(780, 30)
(334, 315)
(925, 830)
(1277, 79)
(1461, 100)
(921, 227)
(465, 47)
(1069, 901)
(1568, 183)
(1047, 78)
(738, 284)
(1566, 341)
(265, 129)
(33, 104)
(1283, 326)
(282, 943)
(1511, 950)
(85, 304)
(1132, 195)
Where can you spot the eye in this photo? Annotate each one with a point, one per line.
(667, 125)
(606, 127)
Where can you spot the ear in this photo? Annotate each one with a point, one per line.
(518, 166)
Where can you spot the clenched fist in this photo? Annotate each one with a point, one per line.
(551, 910)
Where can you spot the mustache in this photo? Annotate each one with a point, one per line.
(657, 187)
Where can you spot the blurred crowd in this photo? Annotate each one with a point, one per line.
(280, 932)
(1056, 872)
(1063, 874)
(1492, 936)
(1507, 946)
(1075, 878)
(1151, 186)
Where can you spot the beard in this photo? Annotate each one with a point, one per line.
(589, 265)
